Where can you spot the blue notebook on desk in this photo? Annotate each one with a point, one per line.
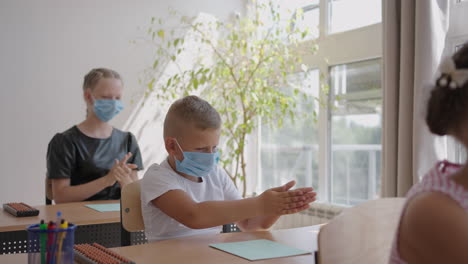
(110, 207)
(259, 249)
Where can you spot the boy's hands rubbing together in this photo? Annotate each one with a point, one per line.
(281, 200)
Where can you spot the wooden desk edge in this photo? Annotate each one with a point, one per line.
(111, 220)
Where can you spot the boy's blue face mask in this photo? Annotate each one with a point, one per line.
(196, 163)
(105, 110)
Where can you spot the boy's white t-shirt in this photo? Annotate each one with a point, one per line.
(160, 179)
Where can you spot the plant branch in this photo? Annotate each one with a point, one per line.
(230, 176)
(220, 56)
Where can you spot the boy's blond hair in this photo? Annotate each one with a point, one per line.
(190, 110)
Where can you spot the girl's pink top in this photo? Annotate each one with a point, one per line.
(436, 180)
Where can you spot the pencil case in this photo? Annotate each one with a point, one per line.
(20, 209)
(97, 254)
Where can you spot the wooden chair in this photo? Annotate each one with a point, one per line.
(131, 217)
(362, 234)
(49, 195)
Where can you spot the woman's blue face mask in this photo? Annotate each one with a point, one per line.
(196, 163)
(107, 109)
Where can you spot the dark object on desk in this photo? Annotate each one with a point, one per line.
(230, 228)
(95, 253)
(20, 209)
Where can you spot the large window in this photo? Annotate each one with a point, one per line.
(338, 152)
(351, 14)
(291, 152)
(310, 17)
(302, 14)
(355, 117)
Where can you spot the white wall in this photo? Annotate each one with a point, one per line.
(46, 47)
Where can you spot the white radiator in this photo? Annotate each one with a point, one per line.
(319, 213)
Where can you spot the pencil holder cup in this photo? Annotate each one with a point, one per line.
(51, 246)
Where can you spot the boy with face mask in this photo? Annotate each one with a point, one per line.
(89, 160)
(190, 194)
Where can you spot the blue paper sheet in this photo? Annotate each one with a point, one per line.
(259, 249)
(110, 207)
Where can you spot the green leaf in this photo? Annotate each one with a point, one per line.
(155, 64)
(151, 85)
(254, 96)
(161, 33)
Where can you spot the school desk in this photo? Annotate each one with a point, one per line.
(195, 249)
(93, 226)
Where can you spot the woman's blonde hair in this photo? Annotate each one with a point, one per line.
(93, 77)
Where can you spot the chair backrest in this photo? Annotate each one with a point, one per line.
(130, 202)
(362, 234)
(49, 194)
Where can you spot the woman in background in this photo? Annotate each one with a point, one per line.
(93, 160)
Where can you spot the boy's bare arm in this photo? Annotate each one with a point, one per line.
(178, 205)
(265, 222)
